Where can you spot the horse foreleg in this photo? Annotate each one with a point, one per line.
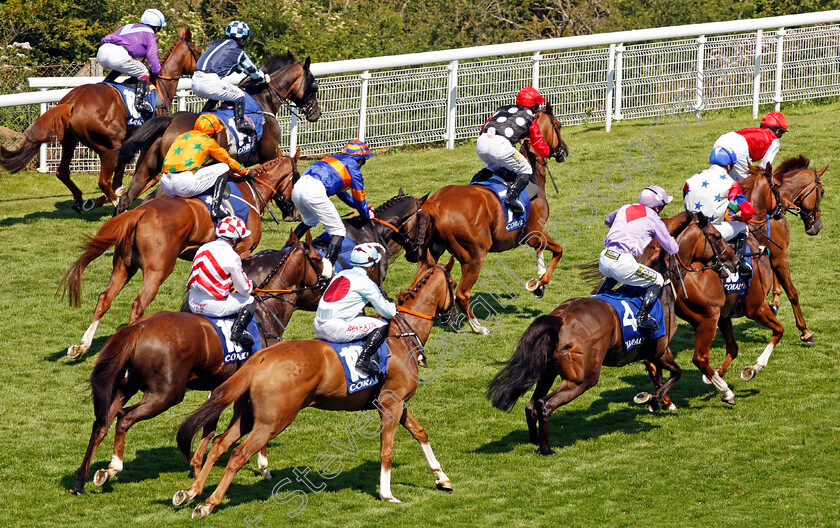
(540, 241)
(68, 147)
(543, 386)
(705, 334)
(148, 165)
(666, 361)
(96, 436)
(765, 317)
(777, 294)
(107, 166)
(386, 447)
(725, 325)
(470, 269)
(781, 275)
(410, 422)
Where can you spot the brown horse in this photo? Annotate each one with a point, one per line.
(153, 236)
(276, 383)
(469, 222)
(165, 353)
(289, 80)
(584, 333)
(794, 188)
(95, 116)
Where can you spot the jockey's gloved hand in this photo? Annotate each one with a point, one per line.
(385, 294)
(250, 176)
(267, 78)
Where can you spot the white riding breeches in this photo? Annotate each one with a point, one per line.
(189, 183)
(496, 152)
(114, 57)
(624, 268)
(737, 144)
(730, 229)
(341, 331)
(310, 197)
(209, 86)
(203, 303)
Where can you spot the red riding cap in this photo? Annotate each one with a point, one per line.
(774, 119)
(529, 96)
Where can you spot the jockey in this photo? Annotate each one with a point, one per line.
(754, 144)
(631, 229)
(714, 193)
(338, 317)
(223, 58)
(184, 169)
(120, 50)
(333, 175)
(501, 132)
(217, 285)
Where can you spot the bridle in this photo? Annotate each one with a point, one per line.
(811, 218)
(403, 324)
(305, 103)
(716, 261)
(276, 191)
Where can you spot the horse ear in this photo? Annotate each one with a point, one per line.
(290, 55)
(185, 33)
(306, 63)
(400, 192)
(422, 200)
(449, 264)
(293, 239)
(821, 171)
(296, 157)
(308, 240)
(549, 109)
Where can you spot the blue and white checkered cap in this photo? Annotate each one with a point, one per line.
(237, 29)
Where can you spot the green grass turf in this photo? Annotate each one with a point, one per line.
(769, 461)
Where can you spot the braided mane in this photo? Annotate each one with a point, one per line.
(791, 164)
(392, 201)
(408, 295)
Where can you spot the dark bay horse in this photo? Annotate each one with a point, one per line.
(165, 353)
(274, 385)
(289, 80)
(95, 116)
(153, 236)
(794, 188)
(583, 334)
(468, 221)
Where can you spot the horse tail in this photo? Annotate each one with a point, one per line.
(48, 127)
(150, 130)
(118, 230)
(527, 364)
(109, 366)
(220, 399)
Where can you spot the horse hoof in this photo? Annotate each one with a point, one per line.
(654, 407)
(101, 477)
(642, 397)
(774, 308)
(807, 338)
(546, 452)
(421, 360)
(539, 292)
(728, 397)
(532, 285)
(671, 407)
(75, 351)
(77, 491)
(77, 206)
(181, 497)
(748, 373)
(201, 512)
(706, 380)
(88, 205)
(266, 474)
(391, 499)
(121, 191)
(444, 486)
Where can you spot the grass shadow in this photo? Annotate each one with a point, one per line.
(147, 464)
(63, 211)
(90, 354)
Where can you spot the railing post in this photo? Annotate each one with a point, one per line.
(757, 73)
(619, 68)
(182, 95)
(780, 46)
(451, 103)
(293, 134)
(42, 158)
(701, 57)
(365, 76)
(535, 70)
(610, 83)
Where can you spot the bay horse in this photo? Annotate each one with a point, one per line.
(274, 385)
(794, 188)
(468, 221)
(155, 235)
(289, 80)
(95, 116)
(165, 353)
(584, 333)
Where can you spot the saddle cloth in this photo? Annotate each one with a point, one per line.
(238, 143)
(736, 283)
(234, 353)
(500, 189)
(348, 353)
(626, 302)
(235, 203)
(135, 118)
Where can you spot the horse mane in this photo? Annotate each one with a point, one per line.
(408, 295)
(268, 165)
(185, 34)
(279, 61)
(390, 202)
(677, 230)
(791, 164)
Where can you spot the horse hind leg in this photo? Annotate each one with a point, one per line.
(413, 426)
(68, 147)
(540, 241)
(96, 436)
(543, 386)
(566, 392)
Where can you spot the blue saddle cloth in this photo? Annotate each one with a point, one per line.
(347, 245)
(500, 188)
(135, 118)
(736, 283)
(348, 353)
(626, 302)
(234, 353)
(244, 144)
(235, 201)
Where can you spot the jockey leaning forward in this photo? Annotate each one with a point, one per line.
(754, 144)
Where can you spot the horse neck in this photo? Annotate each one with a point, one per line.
(794, 183)
(538, 164)
(271, 102)
(424, 302)
(692, 245)
(761, 196)
(180, 61)
(273, 178)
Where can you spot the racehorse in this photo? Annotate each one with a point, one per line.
(153, 236)
(289, 80)
(584, 333)
(95, 115)
(165, 353)
(797, 189)
(273, 386)
(469, 222)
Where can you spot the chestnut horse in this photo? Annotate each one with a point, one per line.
(276, 383)
(584, 333)
(153, 236)
(797, 189)
(289, 80)
(469, 222)
(165, 353)
(95, 116)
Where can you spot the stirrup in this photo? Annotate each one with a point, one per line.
(646, 322)
(245, 340)
(515, 206)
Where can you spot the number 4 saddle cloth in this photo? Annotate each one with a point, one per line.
(626, 302)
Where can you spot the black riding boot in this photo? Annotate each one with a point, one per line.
(301, 230)
(741, 249)
(239, 119)
(237, 332)
(112, 76)
(332, 255)
(365, 364)
(219, 188)
(643, 318)
(140, 102)
(209, 106)
(511, 200)
(607, 285)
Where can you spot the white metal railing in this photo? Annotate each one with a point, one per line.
(446, 95)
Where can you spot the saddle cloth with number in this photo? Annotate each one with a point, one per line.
(348, 353)
(626, 302)
(232, 352)
(500, 189)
